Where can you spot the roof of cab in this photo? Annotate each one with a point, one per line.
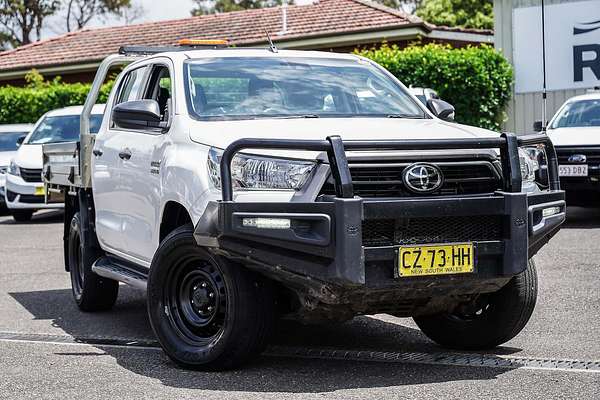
(262, 52)
(75, 110)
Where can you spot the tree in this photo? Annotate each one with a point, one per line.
(460, 13)
(80, 12)
(220, 6)
(20, 18)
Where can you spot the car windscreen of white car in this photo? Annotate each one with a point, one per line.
(8, 140)
(63, 128)
(249, 88)
(578, 114)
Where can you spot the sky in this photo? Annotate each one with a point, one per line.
(153, 10)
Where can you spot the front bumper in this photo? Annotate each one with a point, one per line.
(325, 239)
(324, 251)
(21, 195)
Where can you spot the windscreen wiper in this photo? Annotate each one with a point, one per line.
(408, 116)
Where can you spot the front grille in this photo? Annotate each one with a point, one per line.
(389, 232)
(592, 154)
(384, 179)
(31, 175)
(3, 169)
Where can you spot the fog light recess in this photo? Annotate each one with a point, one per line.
(267, 223)
(550, 211)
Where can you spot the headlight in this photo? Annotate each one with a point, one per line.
(260, 173)
(3, 169)
(13, 169)
(529, 164)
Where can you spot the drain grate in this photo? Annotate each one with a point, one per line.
(438, 358)
(441, 358)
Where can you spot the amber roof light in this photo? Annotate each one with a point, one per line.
(203, 42)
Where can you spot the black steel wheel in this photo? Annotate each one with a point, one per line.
(207, 312)
(90, 291)
(488, 320)
(197, 299)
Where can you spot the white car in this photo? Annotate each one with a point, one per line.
(239, 185)
(24, 186)
(10, 137)
(575, 131)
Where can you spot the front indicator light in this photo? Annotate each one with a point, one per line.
(267, 223)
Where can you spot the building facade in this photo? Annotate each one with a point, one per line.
(572, 31)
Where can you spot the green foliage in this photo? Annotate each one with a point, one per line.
(462, 13)
(20, 18)
(27, 104)
(221, 6)
(476, 80)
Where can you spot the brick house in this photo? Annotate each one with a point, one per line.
(330, 25)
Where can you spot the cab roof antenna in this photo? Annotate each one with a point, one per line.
(272, 47)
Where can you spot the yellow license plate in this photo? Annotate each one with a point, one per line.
(435, 259)
(39, 191)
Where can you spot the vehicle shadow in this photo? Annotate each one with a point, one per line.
(128, 320)
(582, 218)
(39, 218)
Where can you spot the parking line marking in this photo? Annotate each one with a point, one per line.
(438, 358)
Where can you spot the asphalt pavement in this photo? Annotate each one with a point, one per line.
(50, 350)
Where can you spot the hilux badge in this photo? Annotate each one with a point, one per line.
(422, 177)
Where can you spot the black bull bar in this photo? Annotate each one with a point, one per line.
(331, 250)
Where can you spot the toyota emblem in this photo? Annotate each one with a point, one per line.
(422, 178)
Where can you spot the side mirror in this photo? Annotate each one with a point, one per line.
(537, 126)
(20, 140)
(138, 114)
(441, 109)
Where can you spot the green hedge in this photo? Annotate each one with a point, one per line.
(476, 80)
(27, 104)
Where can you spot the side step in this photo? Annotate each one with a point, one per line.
(122, 271)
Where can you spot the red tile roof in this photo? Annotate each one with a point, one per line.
(326, 17)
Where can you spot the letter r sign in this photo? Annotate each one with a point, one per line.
(592, 63)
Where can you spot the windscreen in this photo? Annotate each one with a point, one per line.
(8, 140)
(62, 129)
(249, 88)
(578, 114)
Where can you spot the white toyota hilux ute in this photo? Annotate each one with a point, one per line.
(575, 132)
(238, 186)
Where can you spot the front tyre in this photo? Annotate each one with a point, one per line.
(22, 215)
(488, 321)
(207, 312)
(90, 291)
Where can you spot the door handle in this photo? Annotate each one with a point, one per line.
(97, 152)
(125, 155)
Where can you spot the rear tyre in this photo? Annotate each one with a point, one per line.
(490, 320)
(22, 215)
(207, 312)
(90, 291)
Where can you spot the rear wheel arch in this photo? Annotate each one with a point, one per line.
(174, 215)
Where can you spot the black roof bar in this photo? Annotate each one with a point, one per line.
(151, 50)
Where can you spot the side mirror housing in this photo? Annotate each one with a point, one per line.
(20, 140)
(138, 114)
(441, 109)
(537, 126)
